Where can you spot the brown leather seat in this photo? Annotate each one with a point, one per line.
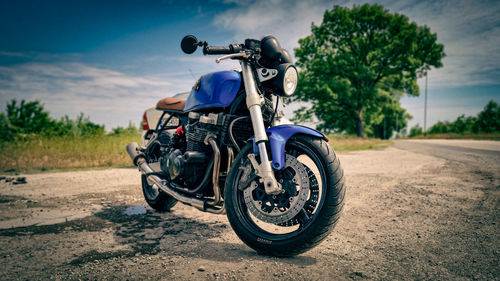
(171, 104)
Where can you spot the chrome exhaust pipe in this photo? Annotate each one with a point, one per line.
(134, 151)
(144, 167)
(215, 174)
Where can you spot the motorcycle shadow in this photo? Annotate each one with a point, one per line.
(171, 234)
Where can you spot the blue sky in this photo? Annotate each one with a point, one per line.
(113, 59)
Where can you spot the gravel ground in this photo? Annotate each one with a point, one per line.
(408, 215)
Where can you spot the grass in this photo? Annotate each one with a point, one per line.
(38, 153)
(343, 143)
(492, 136)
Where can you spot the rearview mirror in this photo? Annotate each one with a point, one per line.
(189, 44)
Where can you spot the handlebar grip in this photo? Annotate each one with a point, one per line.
(217, 50)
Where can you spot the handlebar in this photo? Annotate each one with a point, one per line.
(221, 50)
(217, 50)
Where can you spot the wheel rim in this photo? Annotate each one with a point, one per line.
(315, 171)
(281, 208)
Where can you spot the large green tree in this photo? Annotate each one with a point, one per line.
(355, 65)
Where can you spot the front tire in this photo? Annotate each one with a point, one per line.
(156, 198)
(317, 218)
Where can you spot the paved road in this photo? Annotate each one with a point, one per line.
(481, 154)
(419, 210)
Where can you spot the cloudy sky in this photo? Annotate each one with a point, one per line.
(113, 59)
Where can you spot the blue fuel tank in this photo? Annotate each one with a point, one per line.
(214, 90)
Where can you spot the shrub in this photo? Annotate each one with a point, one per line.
(416, 130)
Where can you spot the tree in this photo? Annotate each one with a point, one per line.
(30, 118)
(26, 118)
(386, 113)
(354, 58)
(441, 128)
(416, 131)
(488, 120)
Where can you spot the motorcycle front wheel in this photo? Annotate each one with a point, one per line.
(301, 216)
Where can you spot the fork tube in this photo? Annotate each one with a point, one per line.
(254, 102)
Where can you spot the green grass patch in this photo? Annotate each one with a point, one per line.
(40, 153)
(453, 136)
(343, 143)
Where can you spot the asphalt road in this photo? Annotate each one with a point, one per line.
(484, 154)
(418, 210)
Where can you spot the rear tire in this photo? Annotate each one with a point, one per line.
(156, 198)
(307, 231)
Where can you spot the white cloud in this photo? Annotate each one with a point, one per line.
(41, 56)
(287, 20)
(108, 96)
(470, 31)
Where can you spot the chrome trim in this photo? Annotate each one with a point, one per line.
(215, 172)
(230, 158)
(145, 169)
(237, 55)
(254, 102)
(266, 74)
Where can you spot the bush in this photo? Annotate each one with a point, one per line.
(416, 130)
(440, 128)
(29, 119)
(487, 121)
(131, 129)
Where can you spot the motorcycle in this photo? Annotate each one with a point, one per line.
(223, 151)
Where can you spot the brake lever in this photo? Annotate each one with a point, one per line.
(231, 56)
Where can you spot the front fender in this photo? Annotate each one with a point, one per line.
(279, 136)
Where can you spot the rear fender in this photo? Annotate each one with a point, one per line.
(279, 136)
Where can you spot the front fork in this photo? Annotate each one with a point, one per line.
(254, 102)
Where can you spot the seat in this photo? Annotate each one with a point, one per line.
(171, 103)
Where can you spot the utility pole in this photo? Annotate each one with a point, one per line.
(425, 107)
(385, 129)
(397, 131)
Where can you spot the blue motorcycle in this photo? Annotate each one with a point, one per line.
(224, 150)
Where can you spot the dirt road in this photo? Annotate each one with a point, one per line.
(418, 210)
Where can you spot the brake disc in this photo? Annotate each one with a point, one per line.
(277, 209)
(311, 203)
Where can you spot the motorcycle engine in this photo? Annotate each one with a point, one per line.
(185, 155)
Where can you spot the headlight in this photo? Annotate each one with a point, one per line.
(287, 79)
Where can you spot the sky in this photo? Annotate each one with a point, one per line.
(113, 59)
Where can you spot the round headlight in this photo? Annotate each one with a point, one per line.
(286, 80)
(290, 80)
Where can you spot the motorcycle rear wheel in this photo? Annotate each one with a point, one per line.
(156, 198)
(312, 224)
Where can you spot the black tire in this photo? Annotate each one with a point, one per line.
(157, 199)
(309, 233)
